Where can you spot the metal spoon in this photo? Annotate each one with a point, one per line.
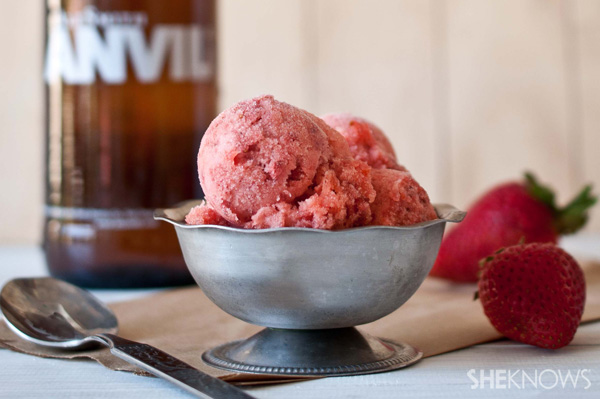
(54, 313)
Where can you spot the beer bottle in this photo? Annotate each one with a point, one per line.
(130, 88)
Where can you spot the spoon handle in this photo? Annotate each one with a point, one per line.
(170, 368)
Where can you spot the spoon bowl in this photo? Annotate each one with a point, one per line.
(54, 313)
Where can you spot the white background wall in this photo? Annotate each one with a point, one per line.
(471, 92)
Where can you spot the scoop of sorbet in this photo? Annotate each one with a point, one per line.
(204, 214)
(264, 163)
(366, 141)
(400, 200)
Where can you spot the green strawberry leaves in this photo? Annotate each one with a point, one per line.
(539, 191)
(573, 216)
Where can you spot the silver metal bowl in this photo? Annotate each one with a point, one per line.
(308, 279)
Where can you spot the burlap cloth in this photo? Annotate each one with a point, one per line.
(439, 318)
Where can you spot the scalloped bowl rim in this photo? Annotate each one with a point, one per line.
(445, 212)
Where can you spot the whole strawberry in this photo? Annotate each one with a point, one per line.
(533, 293)
(502, 217)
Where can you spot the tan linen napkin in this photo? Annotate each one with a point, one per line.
(439, 318)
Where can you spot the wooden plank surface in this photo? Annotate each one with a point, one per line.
(21, 121)
(587, 23)
(264, 48)
(507, 94)
(375, 60)
(471, 92)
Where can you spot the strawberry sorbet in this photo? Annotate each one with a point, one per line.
(264, 163)
(367, 142)
(400, 200)
(204, 214)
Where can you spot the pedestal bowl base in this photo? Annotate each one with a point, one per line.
(333, 352)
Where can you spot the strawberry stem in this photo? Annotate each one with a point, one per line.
(574, 215)
(570, 218)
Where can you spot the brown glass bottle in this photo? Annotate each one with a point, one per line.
(130, 88)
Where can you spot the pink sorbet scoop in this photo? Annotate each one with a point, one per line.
(366, 141)
(264, 163)
(400, 200)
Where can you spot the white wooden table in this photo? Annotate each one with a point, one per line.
(451, 375)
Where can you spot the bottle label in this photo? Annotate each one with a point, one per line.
(90, 44)
(105, 219)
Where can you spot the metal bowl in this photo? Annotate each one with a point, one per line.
(302, 278)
